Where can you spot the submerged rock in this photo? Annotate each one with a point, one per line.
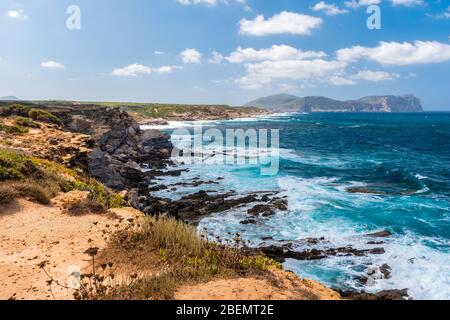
(281, 253)
(380, 234)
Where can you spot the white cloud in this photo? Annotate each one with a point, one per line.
(189, 2)
(407, 3)
(212, 3)
(284, 22)
(274, 53)
(330, 9)
(52, 65)
(260, 74)
(216, 58)
(359, 3)
(443, 15)
(157, 52)
(132, 70)
(375, 76)
(340, 81)
(166, 69)
(135, 69)
(17, 14)
(191, 56)
(395, 53)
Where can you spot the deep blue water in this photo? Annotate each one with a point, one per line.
(401, 160)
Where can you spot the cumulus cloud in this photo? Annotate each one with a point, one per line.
(17, 14)
(216, 58)
(330, 9)
(284, 22)
(136, 69)
(260, 74)
(375, 76)
(359, 3)
(395, 53)
(276, 52)
(408, 3)
(212, 3)
(190, 56)
(189, 2)
(443, 15)
(282, 63)
(52, 65)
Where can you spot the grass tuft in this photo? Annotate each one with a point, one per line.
(40, 180)
(185, 258)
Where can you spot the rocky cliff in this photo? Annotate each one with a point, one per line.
(289, 103)
(120, 146)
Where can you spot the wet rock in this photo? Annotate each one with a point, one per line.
(261, 209)
(376, 251)
(365, 191)
(380, 234)
(382, 295)
(280, 253)
(248, 221)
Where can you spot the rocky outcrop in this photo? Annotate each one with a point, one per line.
(121, 148)
(382, 295)
(289, 103)
(281, 253)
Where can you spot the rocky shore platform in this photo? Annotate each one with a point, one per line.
(129, 160)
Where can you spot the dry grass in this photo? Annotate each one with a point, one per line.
(84, 206)
(7, 194)
(179, 255)
(41, 180)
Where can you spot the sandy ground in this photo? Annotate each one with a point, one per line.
(31, 233)
(288, 287)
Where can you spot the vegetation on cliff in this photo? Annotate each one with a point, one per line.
(177, 251)
(40, 180)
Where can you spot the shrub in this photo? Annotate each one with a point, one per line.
(43, 116)
(84, 206)
(41, 180)
(15, 110)
(26, 122)
(16, 129)
(34, 192)
(178, 245)
(7, 194)
(98, 192)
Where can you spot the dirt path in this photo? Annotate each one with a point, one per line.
(285, 286)
(31, 233)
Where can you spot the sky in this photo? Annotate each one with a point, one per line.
(224, 51)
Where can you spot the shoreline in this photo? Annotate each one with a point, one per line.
(102, 134)
(281, 250)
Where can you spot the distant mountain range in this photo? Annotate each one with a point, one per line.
(290, 103)
(9, 98)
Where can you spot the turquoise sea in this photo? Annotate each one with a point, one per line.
(401, 162)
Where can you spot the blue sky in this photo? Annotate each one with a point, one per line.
(224, 51)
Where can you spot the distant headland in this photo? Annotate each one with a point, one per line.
(290, 103)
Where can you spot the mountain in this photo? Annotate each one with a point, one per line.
(290, 103)
(9, 98)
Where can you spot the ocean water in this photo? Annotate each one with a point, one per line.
(402, 159)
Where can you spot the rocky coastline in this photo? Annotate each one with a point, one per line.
(130, 160)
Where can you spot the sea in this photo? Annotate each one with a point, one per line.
(345, 175)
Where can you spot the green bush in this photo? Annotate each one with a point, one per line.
(43, 116)
(15, 110)
(41, 180)
(7, 194)
(26, 122)
(16, 129)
